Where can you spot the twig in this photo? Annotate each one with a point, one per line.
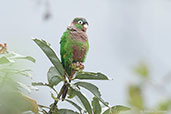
(56, 101)
(44, 106)
(59, 95)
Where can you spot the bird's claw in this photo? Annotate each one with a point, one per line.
(81, 66)
(78, 66)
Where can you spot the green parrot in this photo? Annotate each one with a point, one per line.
(74, 47)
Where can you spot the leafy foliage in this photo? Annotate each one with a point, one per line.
(75, 105)
(10, 88)
(11, 98)
(116, 109)
(136, 98)
(84, 101)
(53, 77)
(12, 57)
(97, 109)
(57, 74)
(51, 55)
(93, 89)
(164, 105)
(142, 70)
(66, 111)
(91, 76)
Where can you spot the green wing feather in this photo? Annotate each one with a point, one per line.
(66, 52)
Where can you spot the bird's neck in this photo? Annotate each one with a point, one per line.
(77, 34)
(73, 28)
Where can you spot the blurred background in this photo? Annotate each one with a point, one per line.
(122, 34)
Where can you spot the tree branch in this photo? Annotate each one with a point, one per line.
(56, 101)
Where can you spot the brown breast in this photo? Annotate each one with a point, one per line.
(79, 53)
(77, 34)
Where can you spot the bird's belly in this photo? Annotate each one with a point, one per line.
(79, 53)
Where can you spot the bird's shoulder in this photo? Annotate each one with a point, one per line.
(65, 36)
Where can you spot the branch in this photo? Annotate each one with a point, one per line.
(56, 101)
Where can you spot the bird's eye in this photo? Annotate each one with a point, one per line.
(80, 22)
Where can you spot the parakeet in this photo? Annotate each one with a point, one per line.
(74, 46)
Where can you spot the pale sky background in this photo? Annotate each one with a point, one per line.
(121, 33)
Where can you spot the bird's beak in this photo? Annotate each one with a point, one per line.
(85, 26)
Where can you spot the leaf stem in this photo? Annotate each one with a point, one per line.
(42, 106)
(45, 84)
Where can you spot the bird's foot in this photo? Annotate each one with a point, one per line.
(78, 66)
(3, 48)
(81, 66)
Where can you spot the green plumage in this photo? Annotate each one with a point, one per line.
(67, 50)
(74, 48)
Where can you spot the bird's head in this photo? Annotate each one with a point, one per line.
(80, 23)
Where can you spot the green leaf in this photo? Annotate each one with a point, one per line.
(96, 106)
(33, 87)
(91, 76)
(54, 98)
(43, 84)
(11, 71)
(8, 55)
(51, 55)
(116, 109)
(71, 93)
(24, 73)
(93, 89)
(15, 102)
(53, 76)
(24, 87)
(28, 88)
(164, 105)
(30, 104)
(135, 97)
(4, 60)
(74, 104)
(84, 101)
(12, 57)
(27, 58)
(105, 103)
(142, 70)
(38, 84)
(66, 111)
